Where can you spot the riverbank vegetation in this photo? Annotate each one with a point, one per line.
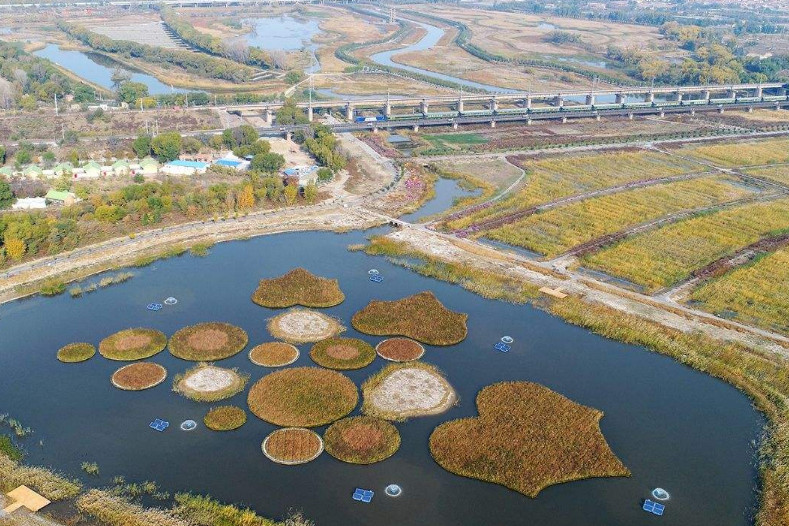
(209, 383)
(51, 485)
(273, 354)
(225, 418)
(361, 440)
(400, 350)
(403, 390)
(298, 287)
(342, 353)
(421, 317)
(526, 438)
(303, 326)
(133, 344)
(77, 291)
(668, 255)
(756, 153)
(302, 397)
(208, 342)
(139, 376)
(292, 446)
(76, 352)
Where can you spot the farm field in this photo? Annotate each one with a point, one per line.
(668, 255)
(554, 178)
(755, 293)
(779, 174)
(754, 153)
(560, 229)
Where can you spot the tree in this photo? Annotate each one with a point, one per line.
(267, 162)
(289, 113)
(191, 145)
(291, 191)
(246, 199)
(119, 76)
(6, 195)
(311, 192)
(130, 92)
(142, 145)
(15, 248)
(293, 77)
(83, 93)
(24, 156)
(324, 174)
(167, 146)
(2, 155)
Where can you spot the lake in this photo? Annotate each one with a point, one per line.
(98, 69)
(672, 426)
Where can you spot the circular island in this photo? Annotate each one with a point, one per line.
(76, 352)
(133, 344)
(292, 445)
(207, 342)
(361, 440)
(139, 376)
(342, 353)
(209, 383)
(304, 326)
(273, 354)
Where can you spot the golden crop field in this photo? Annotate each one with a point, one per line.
(756, 293)
(663, 257)
(742, 153)
(560, 229)
(558, 177)
(779, 174)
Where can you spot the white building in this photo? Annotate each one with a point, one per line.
(29, 203)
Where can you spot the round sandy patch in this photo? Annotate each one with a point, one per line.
(293, 445)
(139, 376)
(400, 350)
(402, 391)
(274, 354)
(208, 383)
(302, 326)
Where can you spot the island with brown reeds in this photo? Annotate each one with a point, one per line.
(225, 418)
(133, 344)
(361, 440)
(292, 445)
(76, 352)
(298, 287)
(400, 350)
(139, 376)
(208, 342)
(273, 354)
(342, 353)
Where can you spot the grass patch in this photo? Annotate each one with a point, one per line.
(139, 376)
(115, 510)
(361, 440)
(52, 287)
(404, 390)
(205, 511)
(526, 438)
(439, 140)
(91, 468)
(302, 326)
(420, 317)
(147, 259)
(76, 352)
(200, 250)
(9, 449)
(298, 287)
(292, 446)
(342, 353)
(225, 418)
(133, 344)
(742, 153)
(303, 397)
(273, 354)
(51, 485)
(400, 350)
(208, 342)
(209, 383)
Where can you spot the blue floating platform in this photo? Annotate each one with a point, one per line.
(363, 495)
(502, 347)
(159, 425)
(376, 278)
(154, 306)
(653, 507)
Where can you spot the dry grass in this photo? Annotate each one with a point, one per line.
(113, 510)
(76, 352)
(779, 173)
(298, 287)
(526, 438)
(404, 390)
(400, 350)
(754, 153)
(208, 383)
(292, 446)
(302, 326)
(362, 440)
(225, 418)
(662, 257)
(303, 397)
(208, 342)
(559, 229)
(420, 317)
(343, 353)
(49, 484)
(139, 376)
(273, 354)
(133, 344)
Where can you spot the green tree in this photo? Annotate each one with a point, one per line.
(311, 192)
(2, 155)
(167, 146)
(6, 195)
(191, 145)
(130, 92)
(83, 93)
(291, 191)
(267, 162)
(293, 77)
(142, 145)
(24, 156)
(289, 113)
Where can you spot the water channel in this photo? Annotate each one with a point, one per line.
(673, 427)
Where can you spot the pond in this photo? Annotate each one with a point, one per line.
(672, 427)
(447, 190)
(284, 33)
(98, 68)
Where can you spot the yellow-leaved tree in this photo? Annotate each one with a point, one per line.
(246, 199)
(15, 248)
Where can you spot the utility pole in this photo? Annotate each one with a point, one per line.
(56, 104)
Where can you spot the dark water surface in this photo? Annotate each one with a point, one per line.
(673, 427)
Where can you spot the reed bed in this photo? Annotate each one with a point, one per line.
(133, 344)
(113, 510)
(298, 287)
(778, 174)
(51, 485)
(200, 510)
(209, 341)
(557, 230)
(421, 317)
(139, 376)
(342, 353)
(400, 350)
(755, 293)
(294, 445)
(668, 255)
(526, 438)
(273, 354)
(361, 440)
(741, 153)
(76, 352)
(303, 397)
(225, 418)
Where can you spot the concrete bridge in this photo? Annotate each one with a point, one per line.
(601, 99)
(152, 3)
